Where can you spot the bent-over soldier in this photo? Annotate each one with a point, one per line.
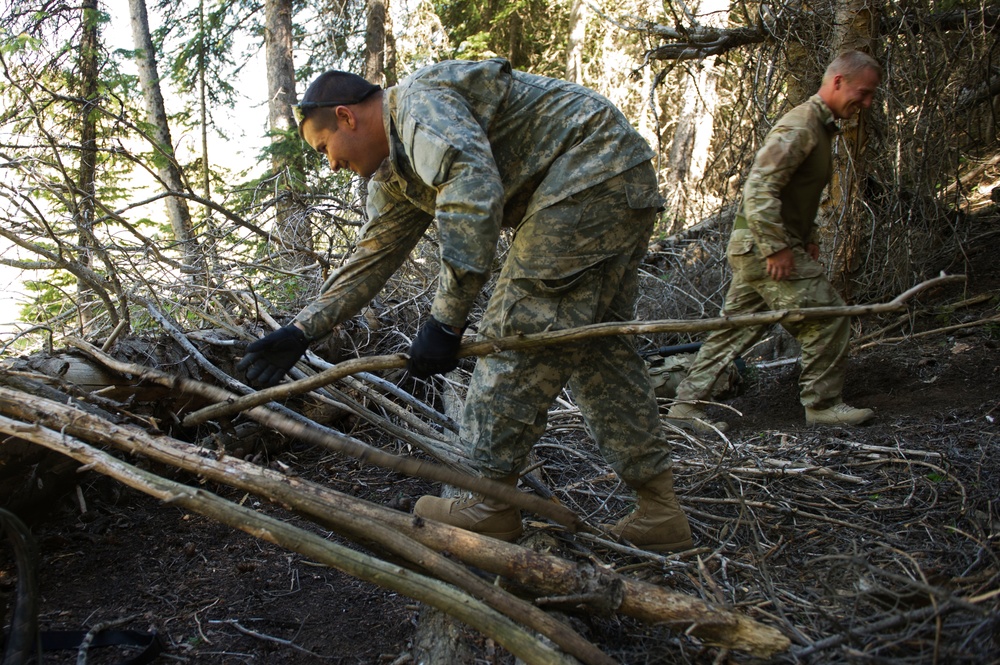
(476, 146)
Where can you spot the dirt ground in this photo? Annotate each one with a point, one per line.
(214, 595)
(107, 553)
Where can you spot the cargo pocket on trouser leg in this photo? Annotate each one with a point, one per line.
(500, 430)
(536, 294)
(744, 257)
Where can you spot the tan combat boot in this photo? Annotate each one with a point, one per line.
(657, 524)
(693, 419)
(480, 514)
(838, 414)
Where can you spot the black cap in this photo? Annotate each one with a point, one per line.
(333, 88)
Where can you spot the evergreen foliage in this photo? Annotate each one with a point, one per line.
(933, 125)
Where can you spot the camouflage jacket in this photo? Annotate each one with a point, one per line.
(783, 189)
(474, 146)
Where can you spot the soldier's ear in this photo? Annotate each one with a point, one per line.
(345, 117)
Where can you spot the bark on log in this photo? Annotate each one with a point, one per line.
(597, 589)
(441, 641)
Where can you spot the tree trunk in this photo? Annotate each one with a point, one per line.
(516, 51)
(843, 222)
(280, 66)
(208, 249)
(87, 172)
(390, 64)
(156, 115)
(292, 223)
(206, 183)
(575, 41)
(375, 42)
(799, 84)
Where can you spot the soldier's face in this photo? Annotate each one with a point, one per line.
(852, 95)
(346, 143)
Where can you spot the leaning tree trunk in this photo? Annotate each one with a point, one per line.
(845, 224)
(156, 115)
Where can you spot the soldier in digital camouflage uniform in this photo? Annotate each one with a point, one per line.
(476, 147)
(773, 253)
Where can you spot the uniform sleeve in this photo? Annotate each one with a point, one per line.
(784, 150)
(393, 230)
(450, 152)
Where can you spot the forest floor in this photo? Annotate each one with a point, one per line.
(892, 560)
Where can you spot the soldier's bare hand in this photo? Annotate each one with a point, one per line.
(781, 264)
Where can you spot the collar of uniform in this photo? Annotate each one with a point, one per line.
(825, 114)
(385, 170)
(389, 129)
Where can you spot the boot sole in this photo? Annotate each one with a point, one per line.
(838, 423)
(506, 536)
(847, 423)
(677, 546)
(669, 547)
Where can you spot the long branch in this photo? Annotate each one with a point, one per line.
(537, 340)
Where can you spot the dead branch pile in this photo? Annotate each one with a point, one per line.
(857, 551)
(842, 547)
(73, 432)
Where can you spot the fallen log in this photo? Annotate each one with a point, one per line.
(31, 476)
(598, 589)
(344, 444)
(232, 406)
(426, 589)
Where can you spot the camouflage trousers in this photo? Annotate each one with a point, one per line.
(571, 264)
(824, 342)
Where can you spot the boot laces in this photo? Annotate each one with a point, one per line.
(465, 500)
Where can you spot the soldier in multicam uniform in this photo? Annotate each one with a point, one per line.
(774, 254)
(476, 147)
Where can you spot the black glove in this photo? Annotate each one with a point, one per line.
(269, 358)
(433, 350)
